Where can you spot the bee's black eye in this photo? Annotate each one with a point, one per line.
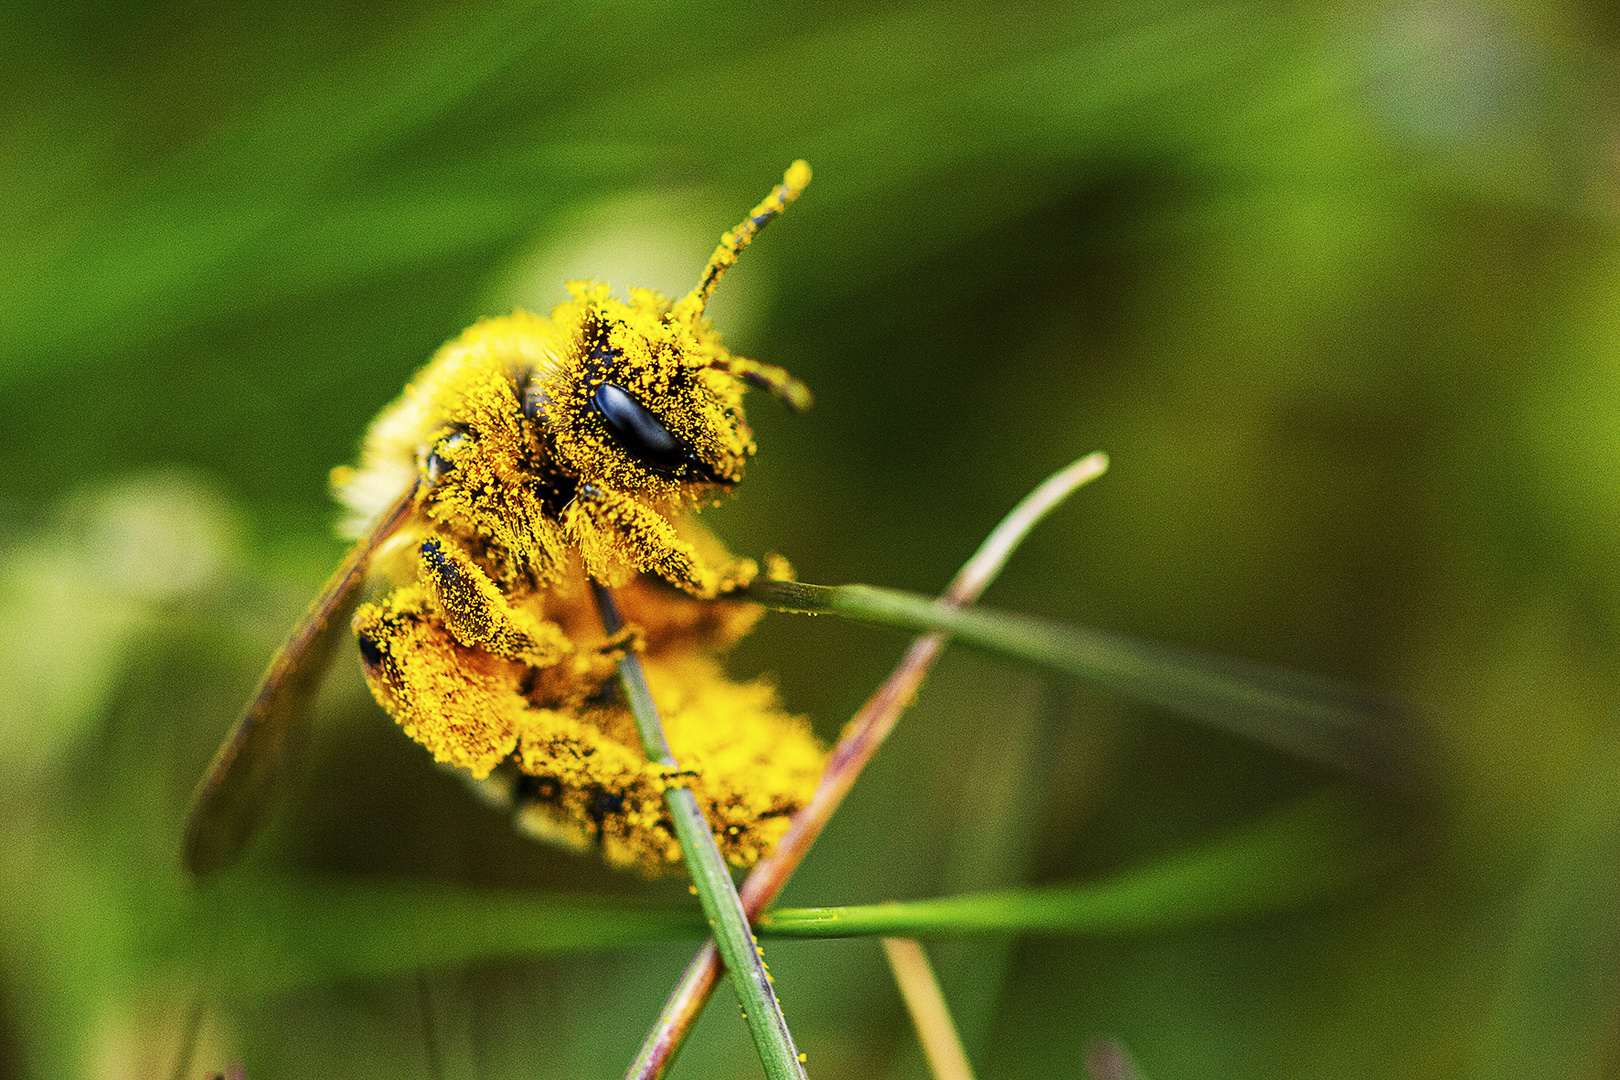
(370, 651)
(637, 430)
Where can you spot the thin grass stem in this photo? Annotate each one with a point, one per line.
(941, 1044)
(862, 736)
(727, 922)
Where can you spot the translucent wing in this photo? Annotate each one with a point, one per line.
(265, 743)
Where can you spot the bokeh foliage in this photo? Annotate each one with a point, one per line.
(1336, 285)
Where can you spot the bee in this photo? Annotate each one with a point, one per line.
(532, 459)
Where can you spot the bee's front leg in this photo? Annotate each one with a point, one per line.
(617, 534)
(478, 615)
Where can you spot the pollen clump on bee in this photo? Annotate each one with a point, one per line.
(749, 762)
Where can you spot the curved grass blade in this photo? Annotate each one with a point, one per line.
(1332, 723)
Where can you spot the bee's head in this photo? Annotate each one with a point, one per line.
(653, 400)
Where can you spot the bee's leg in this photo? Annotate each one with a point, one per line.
(478, 616)
(463, 704)
(615, 533)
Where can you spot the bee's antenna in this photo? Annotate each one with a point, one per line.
(790, 391)
(733, 241)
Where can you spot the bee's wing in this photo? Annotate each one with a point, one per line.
(263, 746)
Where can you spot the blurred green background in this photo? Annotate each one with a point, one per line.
(1337, 286)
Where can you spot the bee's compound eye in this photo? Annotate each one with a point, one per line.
(638, 431)
(438, 462)
(370, 652)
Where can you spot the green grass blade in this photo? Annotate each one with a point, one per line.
(1315, 849)
(1331, 723)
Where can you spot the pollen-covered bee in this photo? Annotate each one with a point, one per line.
(532, 457)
